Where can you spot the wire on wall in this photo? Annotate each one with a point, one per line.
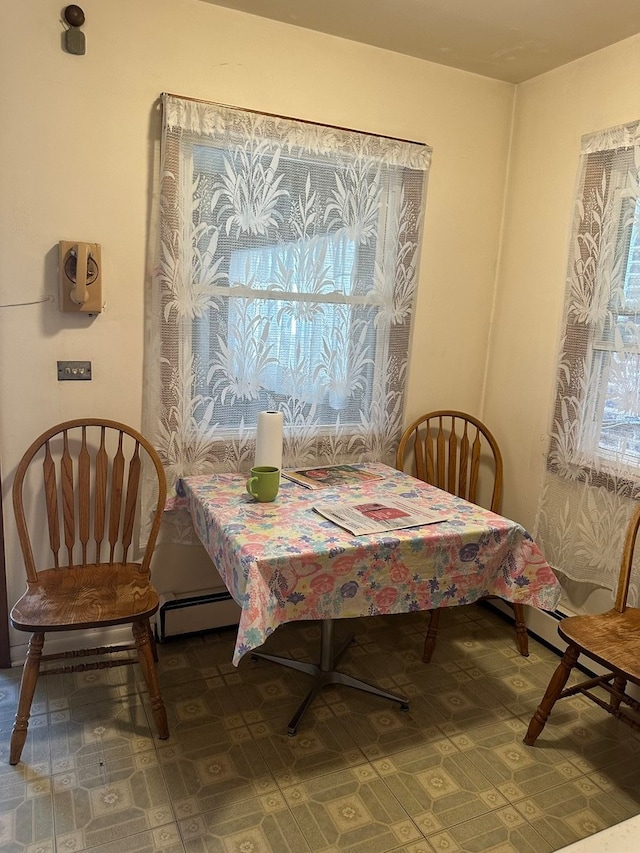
(32, 302)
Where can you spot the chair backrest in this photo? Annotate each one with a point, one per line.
(627, 562)
(78, 506)
(448, 450)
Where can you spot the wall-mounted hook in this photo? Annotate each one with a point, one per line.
(74, 40)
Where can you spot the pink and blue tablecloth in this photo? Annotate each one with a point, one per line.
(282, 561)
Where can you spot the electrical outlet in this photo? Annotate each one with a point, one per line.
(74, 370)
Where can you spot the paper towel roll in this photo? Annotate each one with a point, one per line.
(269, 439)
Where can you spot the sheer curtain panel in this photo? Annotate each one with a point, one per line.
(592, 478)
(284, 279)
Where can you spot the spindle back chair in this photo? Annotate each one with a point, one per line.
(457, 453)
(76, 500)
(610, 639)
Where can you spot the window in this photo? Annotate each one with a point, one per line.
(597, 423)
(593, 464)
(285, 279)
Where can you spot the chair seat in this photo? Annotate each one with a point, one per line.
(612, 638)
(85, 597)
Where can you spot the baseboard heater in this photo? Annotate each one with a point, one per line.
(215, 609)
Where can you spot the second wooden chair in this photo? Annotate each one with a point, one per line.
(449, 449)
(612, 641)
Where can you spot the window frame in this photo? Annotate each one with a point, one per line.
(182, 426)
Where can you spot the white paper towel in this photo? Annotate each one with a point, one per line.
(269, 439)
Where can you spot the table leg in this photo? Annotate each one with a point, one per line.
(326, 674)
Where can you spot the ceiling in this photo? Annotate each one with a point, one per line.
(511, 40)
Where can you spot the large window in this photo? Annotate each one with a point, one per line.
(285, 279)
(593, 463)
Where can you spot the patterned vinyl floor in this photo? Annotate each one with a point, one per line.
(449, 775)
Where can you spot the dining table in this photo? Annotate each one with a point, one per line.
(283, 561)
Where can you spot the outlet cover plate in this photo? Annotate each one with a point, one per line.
(74, 370)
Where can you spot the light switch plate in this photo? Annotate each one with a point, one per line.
(74, 370)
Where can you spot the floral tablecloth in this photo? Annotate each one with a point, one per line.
(282, 561)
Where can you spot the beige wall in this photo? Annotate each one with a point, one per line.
(552, 113)
(78, 137)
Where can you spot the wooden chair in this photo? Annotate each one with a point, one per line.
(75, 495)
(449, 449)
(611, 639)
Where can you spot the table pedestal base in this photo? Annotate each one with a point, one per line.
(325, 674)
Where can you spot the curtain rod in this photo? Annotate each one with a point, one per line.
(291, 118)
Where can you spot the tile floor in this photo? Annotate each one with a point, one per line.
(451, 774)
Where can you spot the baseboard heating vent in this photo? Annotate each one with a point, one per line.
(194, 612)
(558, 614)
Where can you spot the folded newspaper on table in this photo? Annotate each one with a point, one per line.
(361, 518)
(330, 475)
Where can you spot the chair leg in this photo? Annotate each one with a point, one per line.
(522, 638)
(432, 635)
(619, 686)
(141, 634)
(28, 683)
(154, 647)
(552, 694)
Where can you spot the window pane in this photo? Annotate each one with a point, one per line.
(621, 418)
(632, 277)
(260, 353)
(620, 364)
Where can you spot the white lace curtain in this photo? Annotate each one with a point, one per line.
(284, 279)
(592, 476)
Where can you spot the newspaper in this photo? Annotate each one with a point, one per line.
(323, 477)
(362, 518)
